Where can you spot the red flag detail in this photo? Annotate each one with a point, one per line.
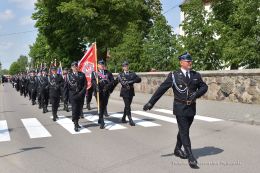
(88, 63)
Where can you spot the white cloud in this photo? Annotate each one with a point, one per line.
(6, 15)
(27, 20)
(25, 4)
(6, 46)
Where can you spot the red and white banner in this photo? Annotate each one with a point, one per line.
(88, 63)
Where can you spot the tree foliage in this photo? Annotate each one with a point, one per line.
(238, 24)
(227, 36)
(19, 66)
(160, 47)
(200, 39)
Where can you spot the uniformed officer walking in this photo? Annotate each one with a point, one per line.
(76, 83)
(127, 79)
(22, 84)
(39, 75)
(55, 83)
(103, 82)
(33, 87)
(44, 89)
(65, 90)
(187, 86)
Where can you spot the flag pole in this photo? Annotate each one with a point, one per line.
(98, 105)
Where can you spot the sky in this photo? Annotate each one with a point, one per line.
(17, 29)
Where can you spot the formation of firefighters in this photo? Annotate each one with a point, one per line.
(44, 87)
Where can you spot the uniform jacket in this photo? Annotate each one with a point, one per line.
(127, 81)
(183, 91)
(105, 81)
(76, 84)
(55, 83)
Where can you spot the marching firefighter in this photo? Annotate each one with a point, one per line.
(55, 83)
(127, 79)
(103, 82)
(76, 83)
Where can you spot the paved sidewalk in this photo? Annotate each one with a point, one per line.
(239, 112)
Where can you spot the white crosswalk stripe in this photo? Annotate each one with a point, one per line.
(4, 132)
(109, 125)
(34, 128)
(137, 121)
(198, 117)
(155, 116)
(69, 125)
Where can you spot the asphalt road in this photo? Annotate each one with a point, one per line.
(30, 142)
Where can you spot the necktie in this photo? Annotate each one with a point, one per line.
(187, 77)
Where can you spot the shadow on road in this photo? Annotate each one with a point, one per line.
(206, 151)
(22, 150)
(201, 152)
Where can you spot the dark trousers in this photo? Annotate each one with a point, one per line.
(89, 94)
(22, 90)
(103, 101)
(183, 138)
(44, 98)
(65, 96)
(127, 109)
(76, 106)
(33, 95)
(55, 101)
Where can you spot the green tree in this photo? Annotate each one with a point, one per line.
(130, 49)
(15, 68)
(200, 36)
(160, 47)
(19, 66)
(70, 24)
(4, 72)
(238, 25)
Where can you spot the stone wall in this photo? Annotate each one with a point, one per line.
(232, 85)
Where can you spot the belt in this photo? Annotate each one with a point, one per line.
(187, 102)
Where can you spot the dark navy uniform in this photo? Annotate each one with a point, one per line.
(65, 91)
(38, 90)
(76, 83)
(33, 88)
(104, 86)
(127, 80)
(22, 85)
(186, 88)
(44, 91)
(55, 83)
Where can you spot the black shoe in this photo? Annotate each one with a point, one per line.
(193, 162)
(102, 125)
(99, 121)
(54, 119)
(78, 126)
(123, 120)
(131, 122)
(76, 129)
(44, 111)
(179, 153)
(33, 102)
(67, 109)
